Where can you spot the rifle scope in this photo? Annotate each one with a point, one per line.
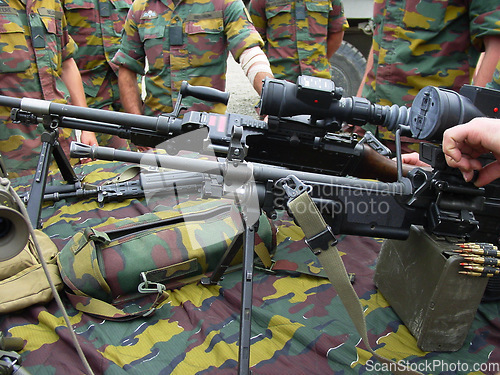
(432, 112)
(320, 98)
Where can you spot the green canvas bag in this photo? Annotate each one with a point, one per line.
(107, 266)
(23, 281)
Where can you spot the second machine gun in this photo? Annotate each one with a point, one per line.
(303, 142)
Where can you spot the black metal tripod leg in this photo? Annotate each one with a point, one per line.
(225, 262)
(246, 301)
(50, 147)
(37, 191)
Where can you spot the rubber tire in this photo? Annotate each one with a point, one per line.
(347, 66)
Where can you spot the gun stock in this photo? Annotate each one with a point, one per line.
(374, 165)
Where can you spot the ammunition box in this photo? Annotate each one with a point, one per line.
(420, 279)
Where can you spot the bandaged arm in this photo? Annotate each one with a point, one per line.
(256, 67)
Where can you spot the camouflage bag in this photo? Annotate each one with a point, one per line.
(107, 266)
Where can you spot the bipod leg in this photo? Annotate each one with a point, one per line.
(225, 262)
(50, 147)
(65, 167)
(246, 301)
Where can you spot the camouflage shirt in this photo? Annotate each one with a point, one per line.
(418, 43)
(295, 34)
(33, 44)
(190, 42)
(96, 26)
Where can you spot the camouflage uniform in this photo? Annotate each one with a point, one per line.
(418, 43)
(295, 34)
(33, 44)
(96, 26)
(189, 42)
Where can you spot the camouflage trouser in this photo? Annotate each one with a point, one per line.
(108, 98)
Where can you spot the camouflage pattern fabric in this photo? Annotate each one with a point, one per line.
(170, 246)
(295, 34)
(189, 41)
(34, 41)
(495, 83)
(425, 43)
(96, 26)
(299, 325)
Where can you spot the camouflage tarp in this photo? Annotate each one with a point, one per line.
(299, 325)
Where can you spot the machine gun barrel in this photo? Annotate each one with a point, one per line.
(122, 124)
(40, 107)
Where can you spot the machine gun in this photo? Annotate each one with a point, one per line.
(300, 142)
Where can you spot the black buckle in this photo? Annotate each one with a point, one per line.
(322, 241)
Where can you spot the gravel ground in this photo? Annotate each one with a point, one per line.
(242, 97)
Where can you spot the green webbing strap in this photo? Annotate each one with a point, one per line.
(105, 310)
(323, 243)
(126, 175)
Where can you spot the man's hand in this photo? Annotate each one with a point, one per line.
(463, 144)
(413, 158)
(88, 138)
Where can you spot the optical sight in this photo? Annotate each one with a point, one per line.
(322, 100)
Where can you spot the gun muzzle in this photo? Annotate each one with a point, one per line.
(81, 150)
